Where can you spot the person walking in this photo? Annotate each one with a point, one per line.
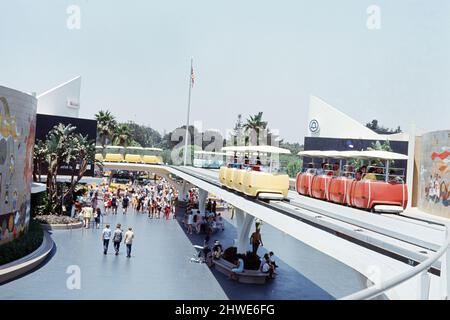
(129, 236)
(125, 203)
(114, 205)
(97, 216)
(256, 240)
(117, 238)
(87, 215)
(106, 236)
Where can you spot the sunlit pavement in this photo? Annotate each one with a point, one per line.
(158, 269)
(161, 267)
(303, 273)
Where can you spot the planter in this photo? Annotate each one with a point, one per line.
(248, 276)
(68, 226)
(23, 265)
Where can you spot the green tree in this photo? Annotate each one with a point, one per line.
(255, 124)
(39, 157)
(145, 136)
(293, 167)
(123, 135)
(106, 124)
(374, 125)
(63, 147)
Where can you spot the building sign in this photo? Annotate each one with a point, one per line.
(73, 104)
(314, 126)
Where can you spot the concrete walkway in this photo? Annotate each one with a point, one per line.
(303, 273)
(158, 269)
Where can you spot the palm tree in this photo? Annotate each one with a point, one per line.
(106, 125)
(255, 124)
(123, 135)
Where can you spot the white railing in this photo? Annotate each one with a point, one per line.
(420, 270)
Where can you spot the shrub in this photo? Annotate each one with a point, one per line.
(251, 261)
(23, 245)
(53, 219)
(230, 254)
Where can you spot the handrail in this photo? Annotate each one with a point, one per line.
(378, 289)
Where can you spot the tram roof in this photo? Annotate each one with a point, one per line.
(135, 148)
(153, 149)
(114, 147)
(263, 149)
(367, 154)
(211, 153)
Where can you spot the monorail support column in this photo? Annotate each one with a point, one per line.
(183, 192)
(244, 224)
(202, 196)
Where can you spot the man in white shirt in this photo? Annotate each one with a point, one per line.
(106, 236)
(129, 236)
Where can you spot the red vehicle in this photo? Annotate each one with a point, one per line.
(373, 187)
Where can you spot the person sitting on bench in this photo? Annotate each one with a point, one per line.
(239, 262)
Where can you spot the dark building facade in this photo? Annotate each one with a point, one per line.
(45, 123)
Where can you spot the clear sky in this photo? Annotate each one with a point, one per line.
(249, 56)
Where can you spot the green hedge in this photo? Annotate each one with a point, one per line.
(23, 245)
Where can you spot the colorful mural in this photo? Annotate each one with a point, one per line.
(435, 173)
(17, 132)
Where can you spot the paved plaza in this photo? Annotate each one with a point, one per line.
(160, 267)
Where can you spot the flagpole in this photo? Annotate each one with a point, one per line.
(188, 113)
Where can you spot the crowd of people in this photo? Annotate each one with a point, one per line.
(207, 223)
(157, 201)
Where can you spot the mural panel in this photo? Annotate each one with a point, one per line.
(17, 133)
(434, 184)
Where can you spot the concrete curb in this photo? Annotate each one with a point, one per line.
(69, 226)
(23, 265)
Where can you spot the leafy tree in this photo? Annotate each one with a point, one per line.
(257, 125)
(63, 147)
(144, 136)
(293, 167)
(374, 125)
(106, 124)
(39, 157)
(123, 135)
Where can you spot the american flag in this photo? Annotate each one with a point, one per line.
(192, 76)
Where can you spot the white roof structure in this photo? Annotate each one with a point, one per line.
(153, 149)
(135, 148)
(62, 100)
(114, 147)
(325, 121)
(262, 149)
(211, 153)
(367, 154)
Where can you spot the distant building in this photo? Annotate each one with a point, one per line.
(61, 104)
(331, 129)
(62, 100)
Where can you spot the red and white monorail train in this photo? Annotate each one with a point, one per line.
(372, 187)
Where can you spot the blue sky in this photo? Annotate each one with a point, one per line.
(249, 56)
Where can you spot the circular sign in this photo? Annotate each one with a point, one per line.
(314, 126)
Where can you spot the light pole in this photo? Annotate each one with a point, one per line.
(191, 83)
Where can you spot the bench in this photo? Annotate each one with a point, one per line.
(248, 276)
